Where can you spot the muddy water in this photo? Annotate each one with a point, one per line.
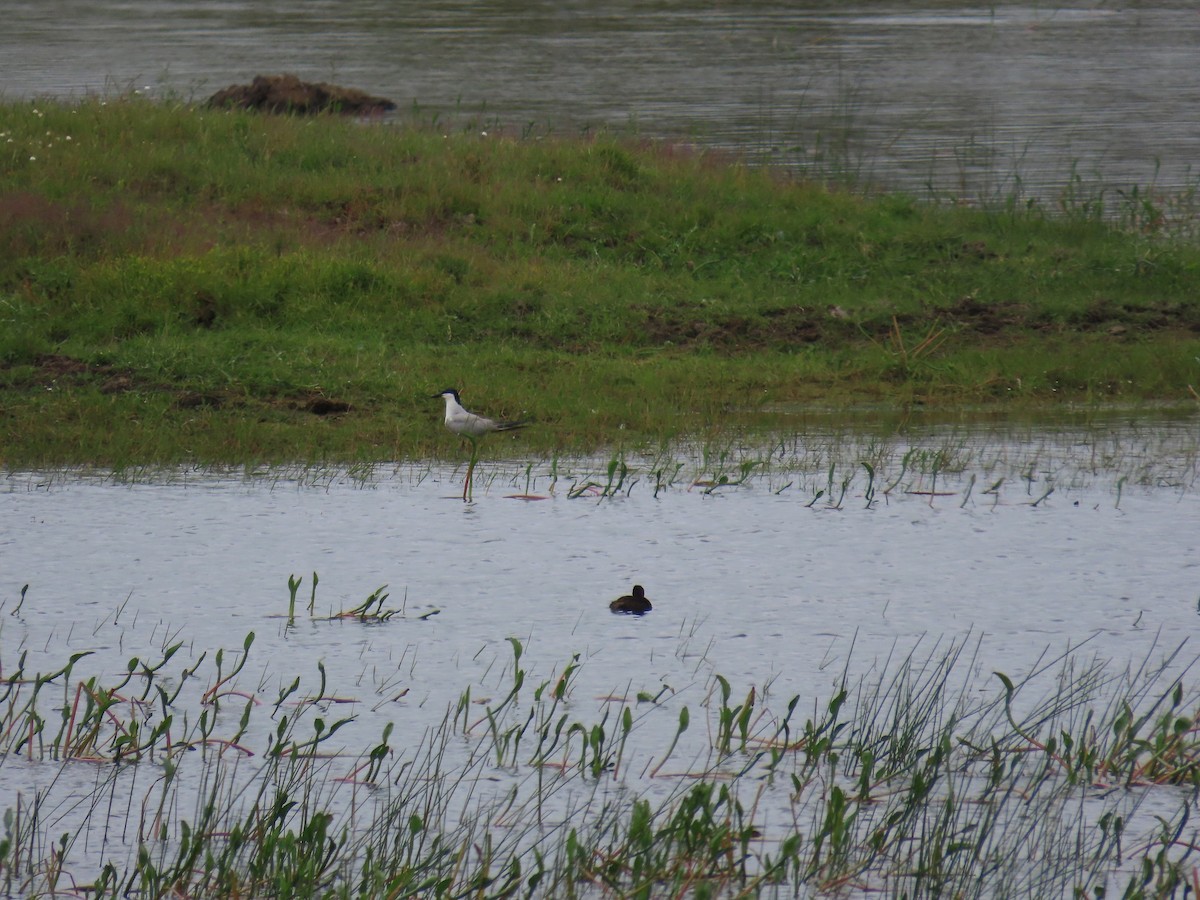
(970, 100)
(1022, 549)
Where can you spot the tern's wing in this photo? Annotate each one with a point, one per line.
(474, 425)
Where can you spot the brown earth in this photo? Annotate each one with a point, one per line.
(54, 371)
(288, 94)
(690, 325)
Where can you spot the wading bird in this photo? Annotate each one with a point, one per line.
(472, 427)
(636, 604)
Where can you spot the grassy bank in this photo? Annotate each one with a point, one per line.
(180, 284)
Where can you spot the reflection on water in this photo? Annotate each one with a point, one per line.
(1014, 548)
(966, 100)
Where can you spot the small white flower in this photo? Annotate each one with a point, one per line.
(33, 159)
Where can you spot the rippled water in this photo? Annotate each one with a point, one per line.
(1068, 546)
(1087, 539)
(977, 101)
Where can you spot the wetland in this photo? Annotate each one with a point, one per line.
(864, 653)
(880, 378)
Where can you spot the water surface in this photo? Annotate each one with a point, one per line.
(1082, 538)
(965, 100)
(1022, 549)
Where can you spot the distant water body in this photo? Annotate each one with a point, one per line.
(973, 101)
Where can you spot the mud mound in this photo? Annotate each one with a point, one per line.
(288, 94)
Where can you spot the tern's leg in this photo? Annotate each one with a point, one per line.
(467, 485)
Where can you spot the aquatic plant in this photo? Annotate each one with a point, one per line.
(921, 776)
(828, 469)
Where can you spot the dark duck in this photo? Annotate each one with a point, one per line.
(636, 604)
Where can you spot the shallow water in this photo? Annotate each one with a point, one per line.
(1064, 548)
(766, 584)
(977, 102)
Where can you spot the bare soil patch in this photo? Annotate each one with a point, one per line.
(288, 94)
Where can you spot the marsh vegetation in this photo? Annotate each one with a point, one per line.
(497, 732)
(198, 774)
(187, 292)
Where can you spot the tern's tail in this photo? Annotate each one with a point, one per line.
(513, 426)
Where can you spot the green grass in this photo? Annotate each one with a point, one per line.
(235, 287)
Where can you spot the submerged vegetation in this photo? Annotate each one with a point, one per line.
(923, 777)
(180, 284)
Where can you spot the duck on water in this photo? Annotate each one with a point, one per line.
(637, 603)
